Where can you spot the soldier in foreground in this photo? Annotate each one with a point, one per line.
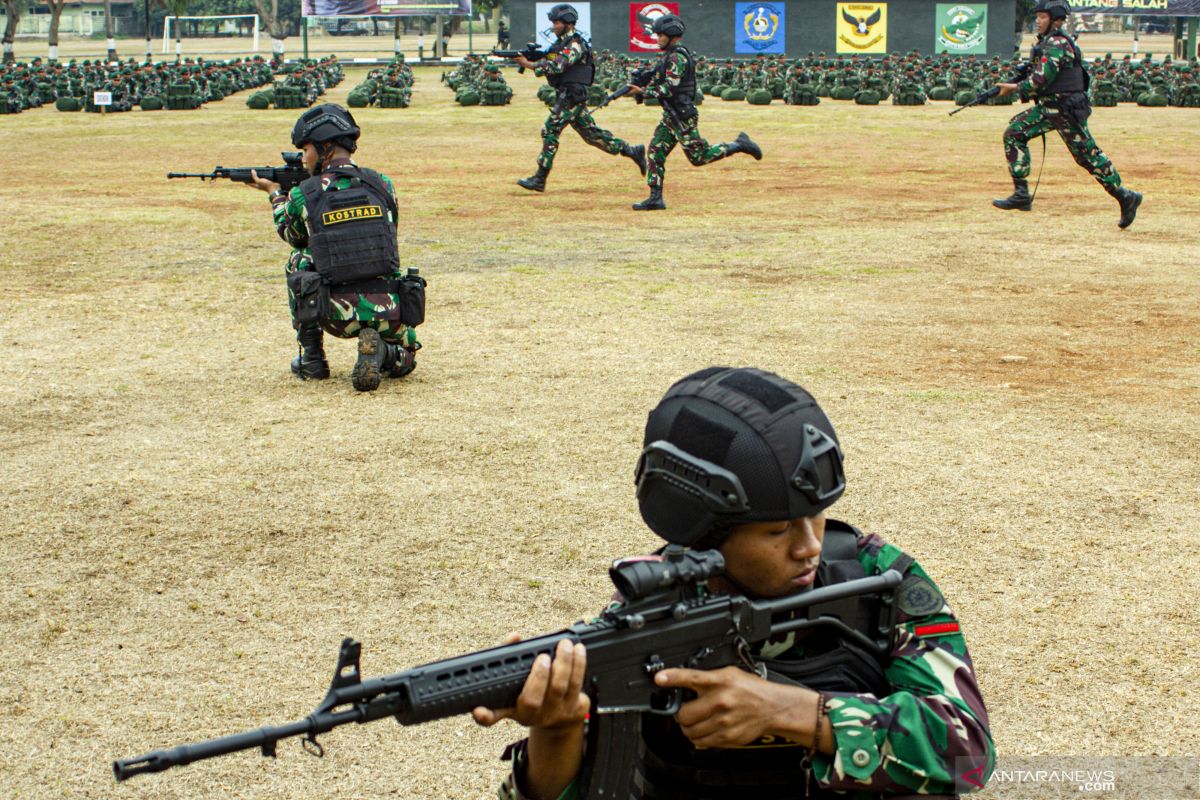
(1058, 83)
(344, 272)
(746, 462)
(569, 68)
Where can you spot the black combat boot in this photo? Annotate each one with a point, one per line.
(652, 203)
(637, 154)
(1129, 200)
(311, 363)
(744, 144)
(1019, 199)
(535, 182)
(373, 355)
(398, 361)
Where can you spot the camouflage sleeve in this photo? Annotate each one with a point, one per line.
(556, 64)
(510, 789)
(930, 735)
(676, 66)
(1045, 67)
(291, 218)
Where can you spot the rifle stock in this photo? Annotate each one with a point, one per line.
(668, 621)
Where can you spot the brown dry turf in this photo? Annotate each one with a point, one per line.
(188, 531)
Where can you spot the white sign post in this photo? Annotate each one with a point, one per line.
(102, 99)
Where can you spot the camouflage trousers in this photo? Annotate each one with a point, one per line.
(667, 135)
(579, 118)
(1038, 121)
(350, 312)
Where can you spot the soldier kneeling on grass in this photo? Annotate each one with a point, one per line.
(344, 273)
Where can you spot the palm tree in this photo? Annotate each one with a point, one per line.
(269, 12)
(108, 31)
(56, 9)
(176, 8)
(12, 10)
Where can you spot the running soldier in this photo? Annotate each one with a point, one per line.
(1058, 83)
(569, 68)
(674, 86)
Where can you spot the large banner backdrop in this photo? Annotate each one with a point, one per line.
(1142, 8)
(862, 27)
(641, 20)
(759, 27)
(383, 8)
(961, 28)
(546, 37)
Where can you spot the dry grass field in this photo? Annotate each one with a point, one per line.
(188, 531)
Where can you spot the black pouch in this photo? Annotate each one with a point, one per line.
(311, 295)
(411, 291)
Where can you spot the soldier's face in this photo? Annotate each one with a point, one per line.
(774, 559)
(310, 157)
(1042, 19)
(559, 26)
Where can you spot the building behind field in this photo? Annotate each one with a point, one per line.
(732, 29)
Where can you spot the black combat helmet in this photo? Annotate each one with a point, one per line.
(670, 25)
(1057, 9)
(727, 446)
(563, 13)
(325, 123)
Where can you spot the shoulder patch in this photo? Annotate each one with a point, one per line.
(917, 597)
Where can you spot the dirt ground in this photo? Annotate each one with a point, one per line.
(188, 531)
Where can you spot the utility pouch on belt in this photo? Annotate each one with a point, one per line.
(311, 295)
(411, 291)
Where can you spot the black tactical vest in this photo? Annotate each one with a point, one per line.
(1070, 78)
(682, 102)
(349, 232)
(581, 72)
(671, 768)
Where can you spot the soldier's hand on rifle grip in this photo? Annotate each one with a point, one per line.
(1007, 88)
(262, 184)
(635, 89)
(524, 62)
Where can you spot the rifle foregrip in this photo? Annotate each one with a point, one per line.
(490, 678)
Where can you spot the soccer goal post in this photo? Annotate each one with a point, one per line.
(176, 20)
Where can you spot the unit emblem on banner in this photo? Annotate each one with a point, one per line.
(862, 27)
(961, 28)
(641, 24)
(759, 27)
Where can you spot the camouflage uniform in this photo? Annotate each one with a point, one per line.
(1056, 53)
(929, 735)
(576, 115)
(670, 132)
(348, 312)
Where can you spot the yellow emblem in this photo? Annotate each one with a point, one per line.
(351, 214)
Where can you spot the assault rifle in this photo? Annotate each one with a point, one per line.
(531, 52)
(640, 77)
(290, 175)
(1019, 74)
(668, 620)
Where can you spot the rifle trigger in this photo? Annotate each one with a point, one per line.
(312, 746)
(268, 748)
